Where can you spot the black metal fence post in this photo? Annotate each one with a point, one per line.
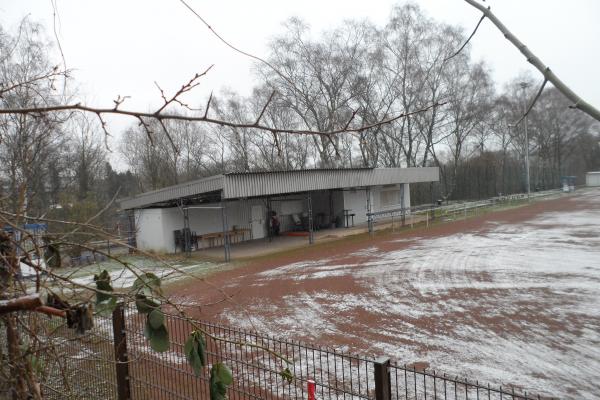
(121, 364)
(383, 387)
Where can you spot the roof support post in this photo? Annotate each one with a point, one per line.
(403, 202)
(369, 210)
(311, 238)
(268, 219)
(226, 242)
(187, 233)
(131, 236)
(331, 217)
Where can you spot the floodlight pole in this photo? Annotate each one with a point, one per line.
(524, 86)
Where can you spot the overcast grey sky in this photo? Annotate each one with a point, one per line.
(119, 47)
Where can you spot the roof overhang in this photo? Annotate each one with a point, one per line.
(259, 184)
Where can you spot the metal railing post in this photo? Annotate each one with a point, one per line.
(121, 361)
(383, 387)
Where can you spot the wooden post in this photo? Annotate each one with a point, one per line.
(121, 361)
(383, 388)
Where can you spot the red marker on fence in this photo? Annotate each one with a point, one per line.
(310, 386)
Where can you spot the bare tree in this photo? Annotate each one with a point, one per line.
(469, 106)
(87, 156)
(328, 79)
(28, 144)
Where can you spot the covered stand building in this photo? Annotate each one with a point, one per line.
(235, 207)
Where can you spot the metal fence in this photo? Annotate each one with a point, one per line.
(410, 383)
(114, 361)
(427, 213)
(256, 369)
(77, 366)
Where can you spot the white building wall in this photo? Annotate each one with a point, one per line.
(203, 221)
(285, 206)
(172, 220)
(150, 234)
(383, 198)
(155, 226)
(389, 197)
(407, 196)
(592, 179)
(356, 202)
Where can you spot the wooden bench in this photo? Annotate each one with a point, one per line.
(218, 238)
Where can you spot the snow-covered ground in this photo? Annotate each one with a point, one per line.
(509, 303)
(121, 277)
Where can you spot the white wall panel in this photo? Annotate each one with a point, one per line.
(356, 202)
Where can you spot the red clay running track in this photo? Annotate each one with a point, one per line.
(509, 297)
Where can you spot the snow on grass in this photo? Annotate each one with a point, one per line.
(516, 303)
(123, 278)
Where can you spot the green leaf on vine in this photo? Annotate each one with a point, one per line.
(145, 305)
(220, 379)
(287, 375)
(106, 307)
(105, 302)
(195, 351)
(159, 338)
(156, 318)
(147, 283)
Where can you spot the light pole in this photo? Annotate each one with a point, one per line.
(524, 86)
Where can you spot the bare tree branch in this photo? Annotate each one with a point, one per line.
(120, 100)
(208, 105)
(27, 302)
(171, 116)
(535, 99)
(265, 107)
(350, 119)
(467, 41)
(235, 48)
(56, 16)
(54, 72)
(192, 83)
(538, 64)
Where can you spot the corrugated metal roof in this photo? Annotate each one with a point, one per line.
(255, 184)
(187, 189)
(291, 171)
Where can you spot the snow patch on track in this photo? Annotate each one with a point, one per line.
(519, 303)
